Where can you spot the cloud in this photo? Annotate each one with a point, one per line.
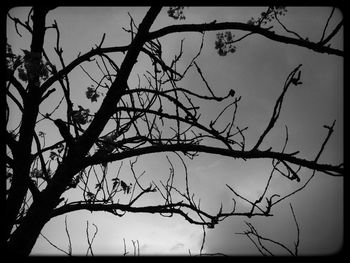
(177, 247)
(144, 249)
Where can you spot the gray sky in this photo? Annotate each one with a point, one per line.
(256, 72)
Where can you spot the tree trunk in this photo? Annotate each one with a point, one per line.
(25, 236)
(31, 102)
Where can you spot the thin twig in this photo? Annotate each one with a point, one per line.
(325, 28)
(88, 238)
(68, 235)
(203, 241)
(298, 231)
(125, 252)
(330, 131)
(52, 244)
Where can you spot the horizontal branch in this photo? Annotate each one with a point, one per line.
(256, 154)
(172, 208)
(318, 47)
(112, 207)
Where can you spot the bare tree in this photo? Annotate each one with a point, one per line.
(156, 116)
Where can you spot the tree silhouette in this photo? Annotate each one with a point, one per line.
(157, 117)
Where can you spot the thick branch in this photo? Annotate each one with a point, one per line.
(317, 47)
(172, 208)
(11, 142)
(14, 99)
(256, 154)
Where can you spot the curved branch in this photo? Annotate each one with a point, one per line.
(256, 154)
(14, 99)
(285, 28)
(16, 84)
(317, 47)
(18, 21)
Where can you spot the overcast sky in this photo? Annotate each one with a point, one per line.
(256, 71)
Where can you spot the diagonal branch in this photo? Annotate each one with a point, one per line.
(334, 32)
(260, 238)
(278, 106)
(286, 29)
(325, 27)
(330, 131)
(17, 85)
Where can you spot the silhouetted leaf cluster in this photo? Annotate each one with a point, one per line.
(80, 116)
(224, 44)
(268, 16)
(117, 182)
(92, 94)
(176, 12)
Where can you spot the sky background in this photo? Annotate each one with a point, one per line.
(256, 71)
